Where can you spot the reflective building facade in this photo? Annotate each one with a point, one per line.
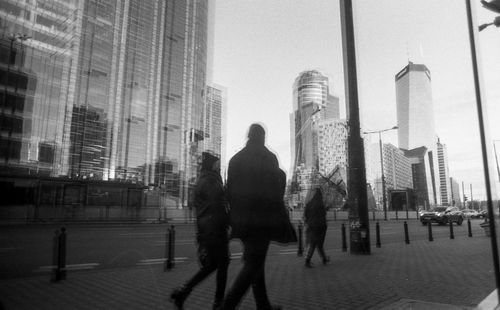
(113, 90)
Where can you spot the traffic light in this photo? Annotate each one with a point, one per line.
(465, 198)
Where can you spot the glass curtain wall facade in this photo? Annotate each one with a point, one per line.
(107, 90)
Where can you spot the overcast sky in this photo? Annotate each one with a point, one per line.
(261, 46)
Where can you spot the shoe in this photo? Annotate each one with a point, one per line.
(326, 260)
(178, 297)
(308, 264)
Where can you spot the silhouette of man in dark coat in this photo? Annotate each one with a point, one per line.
(254, 189)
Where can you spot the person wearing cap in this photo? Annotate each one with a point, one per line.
(254, 189)
(212, 222)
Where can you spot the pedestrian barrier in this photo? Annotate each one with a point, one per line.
(429, 226)
(300, 249)
(452, 235)
(377, 230)
(170, 248)
(407, 237)
(469, 227)
(344, 242)
(59, 256)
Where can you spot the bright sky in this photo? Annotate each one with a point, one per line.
(261, 46)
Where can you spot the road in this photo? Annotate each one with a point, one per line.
(27, 250)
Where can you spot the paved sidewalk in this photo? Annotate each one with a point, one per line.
(444, 274)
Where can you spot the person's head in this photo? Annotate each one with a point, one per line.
(209, 162)
(256, 133)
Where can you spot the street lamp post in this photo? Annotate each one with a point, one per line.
(384, 196)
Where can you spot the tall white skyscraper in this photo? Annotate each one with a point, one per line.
(215, 120)
(415, 112)
(444, 174)
(415, 108)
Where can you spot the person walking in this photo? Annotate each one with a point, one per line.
(255, 187)
(315, 220)
(212, 221)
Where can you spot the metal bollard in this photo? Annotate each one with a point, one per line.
(170, 246)
(397, 215)
(344, 241)
(429, 226)
(59, 255)
(452, 235)
(300, 248)
(335, 215)
(469, 227)
(407, 237)
(62, 254)
(377, 226)
(373, 213)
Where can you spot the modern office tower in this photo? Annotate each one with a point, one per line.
(415, 109)
(444, 174)
(312, 102)
(34, 42)
(215, 120)
(456, 199)
(421, 166)
(397, 170)
(415, 112)
(120, 88)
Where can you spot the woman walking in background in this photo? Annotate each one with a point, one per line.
(315, 220)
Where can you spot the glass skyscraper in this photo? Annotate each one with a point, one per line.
(110, 90)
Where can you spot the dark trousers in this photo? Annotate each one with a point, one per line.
(316, 240)
(252, 273)
(212, 258)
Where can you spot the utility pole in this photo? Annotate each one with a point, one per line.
(483, 130)
(356, 178)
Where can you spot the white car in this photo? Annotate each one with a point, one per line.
(470, 213)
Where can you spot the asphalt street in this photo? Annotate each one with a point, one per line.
(27, 250)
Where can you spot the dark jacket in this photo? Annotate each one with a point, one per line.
(212, 217)
(315, 212)
(255, 187)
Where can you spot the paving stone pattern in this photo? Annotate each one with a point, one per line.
(444, 274)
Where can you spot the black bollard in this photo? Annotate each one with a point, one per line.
(469, 227)
(169, 263)
(54, 275)
(373, 212)
(335, 215)
(344, 241)
(429, 226)
(378, 235)
(300, 248)
(61, 266)
(407, 237)
(397, 215)
(452, 235)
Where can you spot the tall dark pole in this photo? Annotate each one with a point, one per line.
(356, 178)
(474, 41)
(384, 197)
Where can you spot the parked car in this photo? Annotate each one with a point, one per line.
(442, 216)
(482, 214)
(470, 213)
